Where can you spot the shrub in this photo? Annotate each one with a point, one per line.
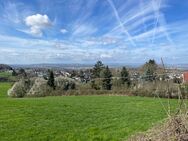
(157, 89)
(72, 85)
(40, 88)
(184, 90)
(20, 88)
(95, 84)
(63, 83)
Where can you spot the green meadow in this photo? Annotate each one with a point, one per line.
(77, 118)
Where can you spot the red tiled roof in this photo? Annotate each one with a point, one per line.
(185, 76)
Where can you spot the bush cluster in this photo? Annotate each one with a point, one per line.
(159, 89)
(63, 83)
(38, 87)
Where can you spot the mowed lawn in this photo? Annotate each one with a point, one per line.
(77, 118)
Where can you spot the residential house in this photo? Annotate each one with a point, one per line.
(185, 77)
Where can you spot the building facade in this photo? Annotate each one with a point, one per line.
(185, 77)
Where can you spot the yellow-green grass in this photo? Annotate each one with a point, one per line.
(77, 118)
(8, 76)
(4, 86)
(5, 74)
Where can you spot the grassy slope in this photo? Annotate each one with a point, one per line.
(5, 74)
(3, 89)
(72, 118)
(8, 76)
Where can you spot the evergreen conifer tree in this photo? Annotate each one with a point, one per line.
(106, 79)
(51, 81)
(125, 77)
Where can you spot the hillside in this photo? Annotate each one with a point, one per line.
(4, 67)
(104, 118)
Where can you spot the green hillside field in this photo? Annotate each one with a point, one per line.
(77, 118)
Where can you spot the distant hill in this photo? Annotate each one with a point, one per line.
(71, 66)
(5, 67)
(90, 65)
(53, 66)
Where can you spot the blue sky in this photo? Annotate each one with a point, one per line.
(84, 31)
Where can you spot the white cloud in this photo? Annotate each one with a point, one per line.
(37, 23)
(63, 31)
(47, 51)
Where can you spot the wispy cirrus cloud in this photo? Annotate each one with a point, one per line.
(120, 22)
(85, 31)
(11, 13)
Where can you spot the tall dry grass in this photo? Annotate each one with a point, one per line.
(174, 128)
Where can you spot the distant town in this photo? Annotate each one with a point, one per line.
(72, 70)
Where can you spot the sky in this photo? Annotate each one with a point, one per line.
(84, 31)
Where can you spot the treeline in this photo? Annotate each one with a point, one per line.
(100, 80)
(102, 77)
